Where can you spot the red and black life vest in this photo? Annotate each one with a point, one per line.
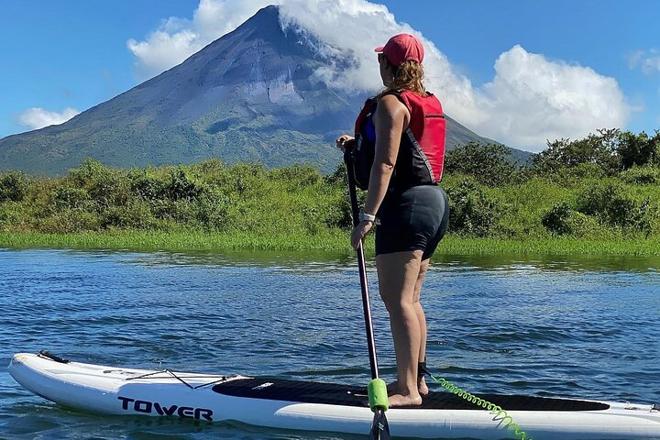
(421, 154)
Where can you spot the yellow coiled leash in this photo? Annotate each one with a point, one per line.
(500, 414)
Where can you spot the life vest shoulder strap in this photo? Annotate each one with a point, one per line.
(414, 103)
(368, 109)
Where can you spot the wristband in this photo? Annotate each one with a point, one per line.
(364, 217)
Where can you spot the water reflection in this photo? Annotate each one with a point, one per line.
(328, 261)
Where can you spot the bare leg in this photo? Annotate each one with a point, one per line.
(421, 383)
(421, 317)
(397, 275)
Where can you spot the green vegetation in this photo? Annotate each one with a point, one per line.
(334, 243)
(597, 195)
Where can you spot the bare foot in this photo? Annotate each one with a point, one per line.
(405, 400)
(421, 387)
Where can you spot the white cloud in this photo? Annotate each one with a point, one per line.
(163, 50)
(37, 117)
(176, 38)
(357, 27)
(530, 99)
(646, 60)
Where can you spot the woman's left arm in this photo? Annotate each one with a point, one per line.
(390, 118)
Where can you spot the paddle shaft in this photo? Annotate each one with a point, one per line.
(364, 285)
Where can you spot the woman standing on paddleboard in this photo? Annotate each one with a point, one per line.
(405, 127)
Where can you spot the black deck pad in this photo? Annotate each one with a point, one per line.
(337, 394)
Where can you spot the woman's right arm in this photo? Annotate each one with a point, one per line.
(341, 141)
(390, 118)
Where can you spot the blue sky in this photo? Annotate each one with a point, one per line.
(74, 54)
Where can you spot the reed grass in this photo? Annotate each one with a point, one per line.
(331, 243)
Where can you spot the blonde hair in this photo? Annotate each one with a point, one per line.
(409, 75)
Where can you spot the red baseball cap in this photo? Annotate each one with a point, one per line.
(402, 47)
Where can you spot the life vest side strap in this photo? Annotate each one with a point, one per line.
(418, 148)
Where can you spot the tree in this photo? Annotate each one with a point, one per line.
(488, 163)
(638, 149)
(599, 149)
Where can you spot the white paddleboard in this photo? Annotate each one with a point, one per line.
(315, 406)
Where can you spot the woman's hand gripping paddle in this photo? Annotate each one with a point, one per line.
(377, 389)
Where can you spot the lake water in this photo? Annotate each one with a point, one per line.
(586, 328)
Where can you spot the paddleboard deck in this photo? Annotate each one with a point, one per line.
(337, 394)
(318, 406)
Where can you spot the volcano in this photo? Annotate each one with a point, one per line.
(251, 95)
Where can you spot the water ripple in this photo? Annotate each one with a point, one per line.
(586, 328)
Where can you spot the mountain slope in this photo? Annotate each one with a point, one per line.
(248, 96)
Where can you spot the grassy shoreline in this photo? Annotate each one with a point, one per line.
(332, 243)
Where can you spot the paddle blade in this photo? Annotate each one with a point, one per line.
(380, 430)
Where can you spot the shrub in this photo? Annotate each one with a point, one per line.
(13, 186)
(312, 219)
(561, 219)
(106, 186)
(146, 187)
(488, 164)
(180, 211)
(110, 190)
(338, 177)
(614, 206)
(136, 215)
(213, 209)
(88, 171)
(644, 218)
(66, 197)
(582, 225)
(584, 171)
(180, 187)
(641, 175)
(210, 167)
(471, 210)
(339, 213)
(556, 220)
(298, 175)
(68, 221)
(245, 178)
(11, 214)
(607, 201)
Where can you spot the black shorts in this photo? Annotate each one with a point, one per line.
(415, 219)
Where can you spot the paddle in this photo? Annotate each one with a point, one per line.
(377, 388)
